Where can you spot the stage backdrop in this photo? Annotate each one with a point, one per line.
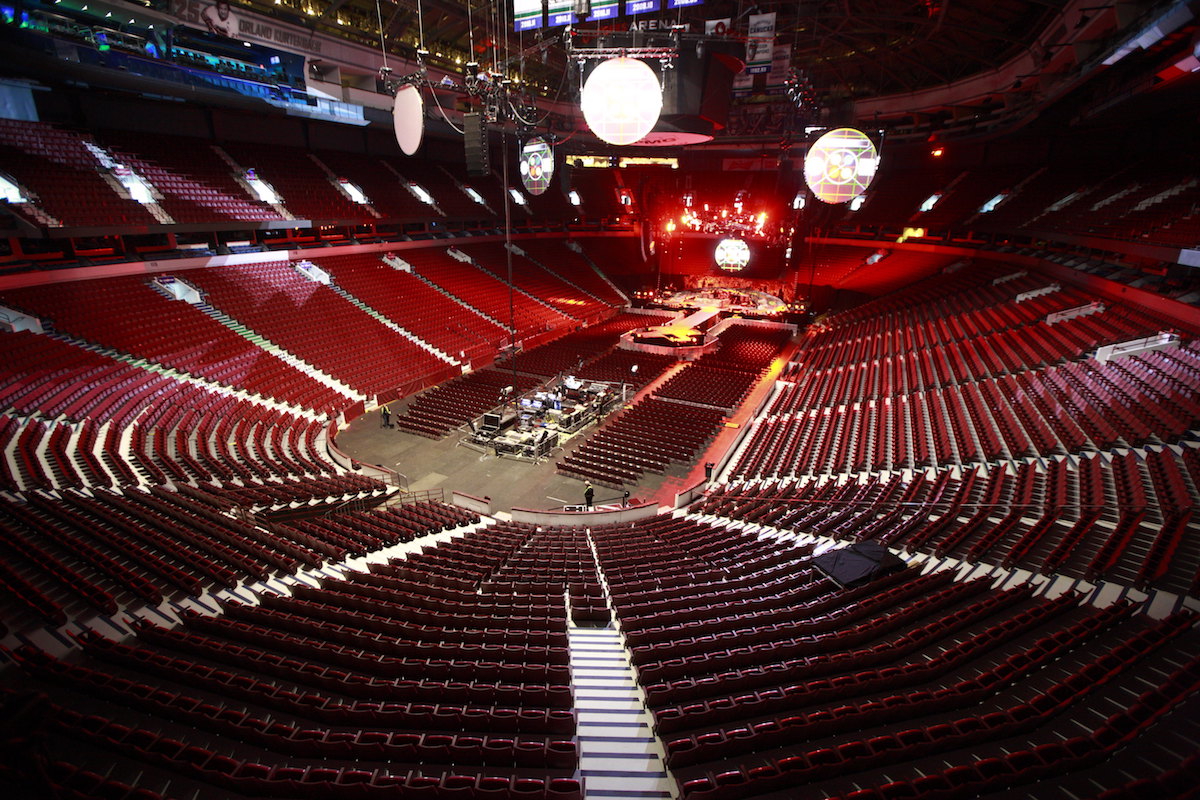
(696, 255)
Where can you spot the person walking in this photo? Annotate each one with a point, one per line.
(588, 494)
(385, 416)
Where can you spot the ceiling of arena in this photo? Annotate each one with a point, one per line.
(847, 48)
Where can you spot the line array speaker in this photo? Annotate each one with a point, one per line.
(476, 142)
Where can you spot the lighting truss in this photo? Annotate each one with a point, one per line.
(645, 53)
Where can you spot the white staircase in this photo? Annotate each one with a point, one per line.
(619, 755)
(335, 181)
(412, 337)
(464, 303)
(239, 173)
(283, 355)
(1094, 307)
(31, 210)
(466, 259)
(578, 248)
(1042, 290)
(404, 182)
(1165, 195)
(110, 177)
(518, 251)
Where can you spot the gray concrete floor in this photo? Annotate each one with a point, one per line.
(446, 465)
(449, 466)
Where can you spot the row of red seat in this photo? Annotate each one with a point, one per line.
(1039, 519)
(303, 490)
(648, 437)
(336, 681)
(482, 291)
(925, 352)
(64, 178)
(573, 267)
(776, 649)
(532, 279)
(282, 779)
(312, 693)
(733, 721)
(983, 421)
(104, 546)
(288, 738)
(310, 321)
(573, 353)
(325, 605)
(195, 183)
(903, 705)
(416, 306)
(688, 705)
(710, 386)
(669, 552)
(799, 769)
(1051, 760)
(438, 411)
(126, 314)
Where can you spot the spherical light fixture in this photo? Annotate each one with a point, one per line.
(840, 165)
(621, 100)
(732, 255)
(537, 165)
(408, 118)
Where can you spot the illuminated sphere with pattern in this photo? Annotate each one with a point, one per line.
(621, 100)
(537, 165)
(732, 255)
(840, 165)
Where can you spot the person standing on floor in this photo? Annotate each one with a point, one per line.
(385, 416)
(588, 494)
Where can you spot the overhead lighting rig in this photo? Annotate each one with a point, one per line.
(665, 54)
(660, 53)
(418, 78)
(800, 90)
(490, 87)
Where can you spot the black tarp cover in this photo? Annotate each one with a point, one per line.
(858, 564)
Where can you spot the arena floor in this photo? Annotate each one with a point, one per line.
(449, 466)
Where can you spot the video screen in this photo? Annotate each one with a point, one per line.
(725, 255)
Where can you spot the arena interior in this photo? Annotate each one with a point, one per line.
(376, 423)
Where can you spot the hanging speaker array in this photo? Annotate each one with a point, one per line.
(476, 143)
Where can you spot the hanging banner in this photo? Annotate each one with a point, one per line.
(642, 6)
(743, 82)
(717, 27)
(781, 65)
(560, 12)
(683, 3)
(760, 42)
(527, 14)
(604, 9)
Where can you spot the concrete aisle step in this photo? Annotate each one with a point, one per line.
(619, 755)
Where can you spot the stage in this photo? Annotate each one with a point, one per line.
(686, 332)
(721, 299)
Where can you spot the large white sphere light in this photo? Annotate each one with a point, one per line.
(621, 100)
(408, 119)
